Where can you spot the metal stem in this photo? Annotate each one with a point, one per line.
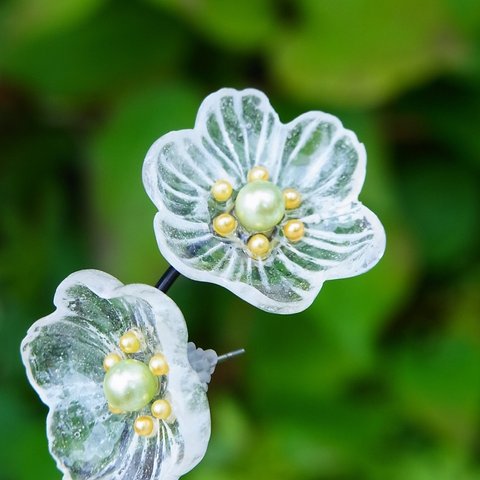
(164, 284)
(167, 280)
(229, 355)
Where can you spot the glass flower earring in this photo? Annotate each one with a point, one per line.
(126, 392)
(268, 210)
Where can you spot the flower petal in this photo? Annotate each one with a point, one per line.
(63, 358)
(194, 252)
(337, 246)
(184, 442)
(178, 175)
(233, 132)
(261, 283)
(241, 126)
(323, 160)
(85, 439)
(63, 354)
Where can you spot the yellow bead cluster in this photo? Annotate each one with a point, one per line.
(158, 365)
(110, 360)
(294, 230)
(258, 244)
(144, 425)
(130, 342)
(161, 409)
(225, 224)
(258, 173)
(114, 410)
(222, 190)
(292, 198)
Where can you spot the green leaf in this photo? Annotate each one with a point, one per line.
(430, 464)
(25, 434)
(352, 312)
(236, 25)
(442, 204)
(453, 121)
(438, 384)
(124, 213)
(362, 52)
(121, 46)
(466, 14)
(231, 435)
(30, 19)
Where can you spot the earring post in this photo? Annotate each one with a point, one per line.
(229, 355)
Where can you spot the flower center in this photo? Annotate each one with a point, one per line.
(130, 385)
(259, 206)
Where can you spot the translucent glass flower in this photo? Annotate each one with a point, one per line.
(268, 210)
(111, 363)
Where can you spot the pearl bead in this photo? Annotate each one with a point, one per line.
(129, 386)
(130, 343)
(259, 245)
(258, 173)
(144, 426)
(114, 410)
(224, 224)
(158, 365)
(294, 230)
(292, 198)
(161, 409)
(259, 206)
(110, 360)
(222, 190)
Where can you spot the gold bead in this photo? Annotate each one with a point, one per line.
(259, 245)
(144, 426)
(292, 198)
(294, 230)
(222, 190)
(158, 365)
(258, 173)
(161, 409)
(130, 343)
(115, 410)
(224, 224)
(110, 360)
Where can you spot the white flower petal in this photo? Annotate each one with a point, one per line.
(233, 132)
(323, 160)
(63, 354)
(263, 284)
(240, 126)
(337, 246)
(178, 176)
(85, 439)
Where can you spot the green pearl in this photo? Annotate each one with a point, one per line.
(259, 206)
(129, 385)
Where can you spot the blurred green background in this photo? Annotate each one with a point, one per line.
(380, 378)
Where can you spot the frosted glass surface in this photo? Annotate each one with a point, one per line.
(64, 353)
(315, 154)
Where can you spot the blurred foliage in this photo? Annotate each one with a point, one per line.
(380, 378)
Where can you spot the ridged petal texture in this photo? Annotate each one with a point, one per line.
(315, 154)
(63, 354)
